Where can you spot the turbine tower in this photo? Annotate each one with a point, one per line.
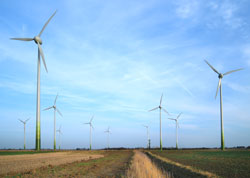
(24, 139)
(160, 108)
(55, 109)
(220, 76)
(108, 132)
(37, 39)
(60, 133)
(90, 126)
(147, 134)
(177, 126)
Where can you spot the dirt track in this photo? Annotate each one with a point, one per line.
(24, 163)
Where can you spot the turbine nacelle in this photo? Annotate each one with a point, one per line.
(220, 76)
(37, 39)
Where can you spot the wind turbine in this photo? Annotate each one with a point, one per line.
(160, 108)
(108, 132)
(220, 76)
(37, 39)
(60, 133)
(177, 125)
(24, 124)
(55, 109)
(147, 134)
(90, 126)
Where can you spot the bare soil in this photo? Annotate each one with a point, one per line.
(108, 164)
(24, 163)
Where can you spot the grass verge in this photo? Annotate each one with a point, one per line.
(141, 166)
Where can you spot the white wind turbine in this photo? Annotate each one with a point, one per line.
(160, 108)
(108, 132)
(24, 139)
(60, 133)
(55, 109)
(90, 126)
(177, 126)
(37, 39)
(147, 134)
(220, 76)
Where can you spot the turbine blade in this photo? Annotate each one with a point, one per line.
(153, 109)
(21, 121)
(91, 125)
(91, 118)
(165, 111)
(86, 123)
(45, 25)
(48, 108)
(229, 72)
(212, 67)
(55, 99)
(179, 115)
(59, 112)
(171, 119)
(161, 99)
(218, 88)
(41, 53)
(27, 120)
(22, 39)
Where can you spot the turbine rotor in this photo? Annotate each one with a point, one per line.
(37, 39)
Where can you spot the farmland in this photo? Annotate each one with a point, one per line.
(66, 164)
(126, 163)
(14, 152)
(230, 163)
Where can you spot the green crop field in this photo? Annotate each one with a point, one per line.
(16, 152)
(229, 163)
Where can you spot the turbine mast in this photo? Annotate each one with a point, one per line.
(38, 127)
(54, 128)
(90, 137)
(176, 122)
(221, 121)
(160, 132)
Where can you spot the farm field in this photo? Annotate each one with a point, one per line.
(21, 152)
(67, 164)
(229, 163)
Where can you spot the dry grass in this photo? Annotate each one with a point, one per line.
(143, 167)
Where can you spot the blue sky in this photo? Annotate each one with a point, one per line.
(113, 59)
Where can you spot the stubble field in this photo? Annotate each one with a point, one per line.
(66, 164)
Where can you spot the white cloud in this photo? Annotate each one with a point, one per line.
(238, 87)
(186, 8)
